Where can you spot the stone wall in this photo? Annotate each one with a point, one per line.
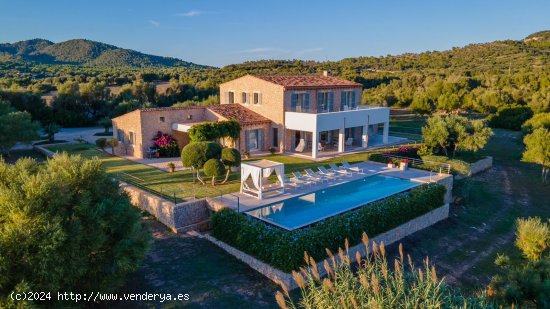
(179, 218)
(481, 165)
(388, 238)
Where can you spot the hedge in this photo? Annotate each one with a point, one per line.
(285, 249)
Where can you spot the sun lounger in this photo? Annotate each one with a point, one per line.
(324, 172)
(347, 166)
(339, 169)
(314, 176)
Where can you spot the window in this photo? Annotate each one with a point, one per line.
(325, 102)
(132, 136)
(231, 97)
(348, 100)
(120, 135)
(299, 102)
(253, 140)
(244, 98)
(275, 137)
(161, 119)
(257, 98)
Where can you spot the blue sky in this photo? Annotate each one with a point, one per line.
(224, 32)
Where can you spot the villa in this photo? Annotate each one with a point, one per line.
(302, 114)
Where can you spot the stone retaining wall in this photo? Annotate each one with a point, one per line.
(179, 218)
(388, 238)
(481, 165)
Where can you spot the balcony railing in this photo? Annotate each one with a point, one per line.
(311, 110)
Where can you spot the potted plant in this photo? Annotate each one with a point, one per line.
(171, 167)
(246, 155)
(391, 164)
(157, 154)
(272, 150)
(404, 164)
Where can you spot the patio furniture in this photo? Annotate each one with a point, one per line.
(338, 169)
(311, 174)
(301, 146)
(151, 152)
(293, 183)
(321, 147)
(254, 178)
(347, 166)
(324, 172)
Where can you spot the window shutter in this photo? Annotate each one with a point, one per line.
(246, 141)
(320, 96)
(293, 100)
(342, 100)
(226, 100)
(306, 102)
(259, 98)
(353, 104)
(261, 139)
(331, 101)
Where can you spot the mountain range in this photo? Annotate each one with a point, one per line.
(86, 52)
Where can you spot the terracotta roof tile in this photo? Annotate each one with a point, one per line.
(308, 81)
(237, 112)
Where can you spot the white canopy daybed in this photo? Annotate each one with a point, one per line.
(254, 178)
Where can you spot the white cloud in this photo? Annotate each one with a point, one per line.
(154, 23)
(192, 13)
(309, 50)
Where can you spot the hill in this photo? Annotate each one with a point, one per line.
(86, 52)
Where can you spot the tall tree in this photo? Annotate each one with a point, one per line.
(537, 150)
(15, 127)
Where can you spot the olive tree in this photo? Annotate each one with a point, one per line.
(66, 226)
(537, 150)
(15, 127)
(452, 133)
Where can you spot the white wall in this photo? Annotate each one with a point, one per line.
(332, 121)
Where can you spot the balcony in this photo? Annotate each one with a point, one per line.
(325, 121)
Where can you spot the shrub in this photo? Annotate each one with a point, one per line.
(532, 237)
(66, 226)
(231, 157)
(101, 143)
(214, 168)
(285, 249)
(195, 154)
(166, 144)
(510, 117)
(210, 131)
(541, 120)
(113, 142)
(370, 282)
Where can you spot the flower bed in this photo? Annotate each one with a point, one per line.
(285, 249)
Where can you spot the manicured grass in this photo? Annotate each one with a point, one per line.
(164, 183)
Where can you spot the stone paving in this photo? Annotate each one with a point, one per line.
(246, 202)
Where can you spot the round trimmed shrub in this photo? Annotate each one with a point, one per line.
(231, 157)
(214, 168)
(196, 154)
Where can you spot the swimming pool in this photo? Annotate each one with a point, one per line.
(306, 209)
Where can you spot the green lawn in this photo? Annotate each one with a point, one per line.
(180, 183)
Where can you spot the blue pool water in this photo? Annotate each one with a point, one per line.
(303, 210)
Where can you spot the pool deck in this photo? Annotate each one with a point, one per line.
(247, 202)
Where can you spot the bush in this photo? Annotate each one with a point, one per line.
(214, 168)
(101, 143)
(210, 131)
(66, 226)
(510, 117)
(285, 249)
(166, 144)
(196, 154)
(541, 120)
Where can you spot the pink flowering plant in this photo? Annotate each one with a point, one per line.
(166, 144)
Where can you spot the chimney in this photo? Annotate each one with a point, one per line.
(326, 73)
